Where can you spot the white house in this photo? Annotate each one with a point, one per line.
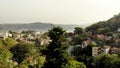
(100, 50)
(95, 51)
(106, 49)
(118, 30)
(4, 34)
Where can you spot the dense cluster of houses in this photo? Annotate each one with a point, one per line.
(104, 43)
(111, 46)
(25, 38)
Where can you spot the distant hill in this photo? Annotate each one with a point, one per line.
(35, 26)
(110, 25)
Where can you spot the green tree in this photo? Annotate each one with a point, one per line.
(36, 62)
(103, 30)
(5, 58)
(5, 54)
(7, 64)
(21, 51)
(37, 42)
(74, 64)
(107, 61)
(1, 42)
(41, 61)
(77, 40)
(28, 32)
(99, 41)
(9, 42)
(57, 51)
(84, 54)
(78, 30)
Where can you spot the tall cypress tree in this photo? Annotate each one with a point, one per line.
(56, 52)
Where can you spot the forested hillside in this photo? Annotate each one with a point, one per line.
(106, 26)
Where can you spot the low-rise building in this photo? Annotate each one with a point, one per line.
(87, 42)
(4, 34)
(95, 51)
(17, 36)
(105, 49)
(100, 50)
(114, 50)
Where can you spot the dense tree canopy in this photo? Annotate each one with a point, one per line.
(74, 64)
(77, 40)
(78, 30)
(107, 61)
(21, 51)
(105, 26)
(9, 42)
(84, 54)
(56, 52)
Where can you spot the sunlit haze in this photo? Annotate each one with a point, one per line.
(83, 12)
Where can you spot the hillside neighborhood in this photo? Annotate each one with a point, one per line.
(96, 46)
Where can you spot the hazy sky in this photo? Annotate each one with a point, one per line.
(57, 11)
